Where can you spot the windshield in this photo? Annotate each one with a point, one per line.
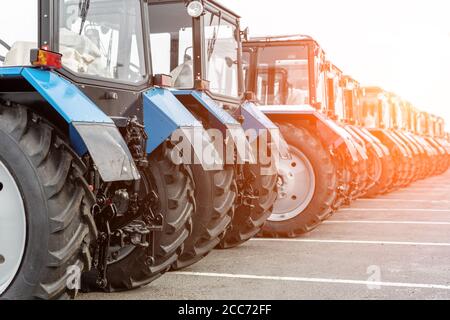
(171, 42)
(103, 38)
(400, 120)
(421, 123)
(282, 75)
(221, 55)
(338, 99)
(386, 113)
(370, 111)
(173, 51)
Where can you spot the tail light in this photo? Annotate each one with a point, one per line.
(45, 59)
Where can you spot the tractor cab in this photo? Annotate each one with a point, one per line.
(398, 111)
(342, 100)
(351, 100)
(335, 107)
(289, 75)
(418, 130)
(378, 118)
(286, 71)
(353, 115)
(198, 46)
(430, 134)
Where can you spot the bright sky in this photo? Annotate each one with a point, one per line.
(401, 45)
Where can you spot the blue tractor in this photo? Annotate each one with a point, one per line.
(99, 159)
(200, 45)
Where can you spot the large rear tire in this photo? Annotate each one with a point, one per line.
(215, 197)
(247, 222)
(300, 212)
(385, 178)
(133, 268)
(45, 246)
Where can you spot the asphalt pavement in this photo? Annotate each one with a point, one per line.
(396, 246)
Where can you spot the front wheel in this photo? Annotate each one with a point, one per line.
(384, 174)
(249, 219)
(215, 196)
(307, 186)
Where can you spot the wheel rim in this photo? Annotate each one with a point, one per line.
(12, 228)
(296, 186)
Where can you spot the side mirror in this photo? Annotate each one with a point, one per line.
(230, 62)
(245, 34)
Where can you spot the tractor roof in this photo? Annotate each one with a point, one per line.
(373, 90)
(351, 79)
(284, 39)
(213, 2)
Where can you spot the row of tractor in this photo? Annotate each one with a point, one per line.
(136, 136)
(345, 141)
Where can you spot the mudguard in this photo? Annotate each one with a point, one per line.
(220, 119)
(445, 144)
(358, 142)
(400, 141)
(165, 115)
(428, 148)
(407, 143)
(90, 129)
(388, 139)
(417, 148)
(376, 140)
(436, 145)
(368, 139)
(255, 119)
(330, 132)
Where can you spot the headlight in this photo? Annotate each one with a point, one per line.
(195, 9)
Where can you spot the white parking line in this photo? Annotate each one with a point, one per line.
(404, 200)
(397, 243)
(386, 222)
(391, 209)
(314, 280)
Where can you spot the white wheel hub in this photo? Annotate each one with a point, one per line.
(296, 186)
(12, 228)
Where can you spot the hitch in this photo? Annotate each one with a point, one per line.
(102, 217)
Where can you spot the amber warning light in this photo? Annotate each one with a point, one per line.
(45, 59)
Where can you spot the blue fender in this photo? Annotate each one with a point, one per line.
(164, 115)
(90, 130)
(254, 118)
(330, 132)
(220, 119)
